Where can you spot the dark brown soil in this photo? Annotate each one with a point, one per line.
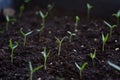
(60, 67)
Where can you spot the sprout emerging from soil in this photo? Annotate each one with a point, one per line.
(111, 27)
(33, 70)
(104, 40)
(22, 7)
(43, 16)
(70, 35)
(81, 68)
(114, 65)
(117, 15)
(77, 19)
(25, 35)
(93, 56)
(46, 55)
(8, 19)
(12, 47)
(59, 44)
(89, 7)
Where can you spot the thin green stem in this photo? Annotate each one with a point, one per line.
(103, 46)
(12, 55)
(25, 40)
(31, 75)
(59, 50)
(80, 75)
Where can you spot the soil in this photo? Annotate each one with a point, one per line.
(62, 67)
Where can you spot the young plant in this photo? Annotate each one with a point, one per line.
(117, 15)
(93, 56)
(114, 65)
(77, 19)
(46, 55)
(43, 16)
(22, 7)
(81, 68)
(89, 7)
(8, 19)
(59, 44)
(12, 47)
(111, 27)
(33, 70)
(70, 35)
(104, 40)
(25, 35)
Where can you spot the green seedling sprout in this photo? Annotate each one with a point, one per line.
(46, 55)
(111, 27)
(104, 40)
(12, 47)
(77, 19)
(33, 70)
(117, 15)
(93, 56)
(59, 44)
(22, 7)
(25, 35)
(8, 19)
(114, 65)
(70, 35)
(81, 68)
(89, 7)
(43, 16)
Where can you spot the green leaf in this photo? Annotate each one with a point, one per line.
(77, 66)
(83, 66)
(15, 45)
(21, 31)
(7, 18)
(42, 15)
(105, 37)
(107, 24)
(93, 55)
(28, 33)
(77, 18)
(58, 40)
(114, 65)
(37, 68)
(89, 6)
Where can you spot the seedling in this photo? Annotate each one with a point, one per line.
(93, 56)
(12, 47)
(77, 19)
(111, 27)
(43, 16)
(81, 68)
(8, 19)
(117, 15)
(46, 55)
(114, 65)
(22, 7)
(33, 70)
(59, 44)
(89, 7)
(25, 35)
(70, 35)
(104, 40)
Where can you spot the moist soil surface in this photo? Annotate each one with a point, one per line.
(62, 67)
